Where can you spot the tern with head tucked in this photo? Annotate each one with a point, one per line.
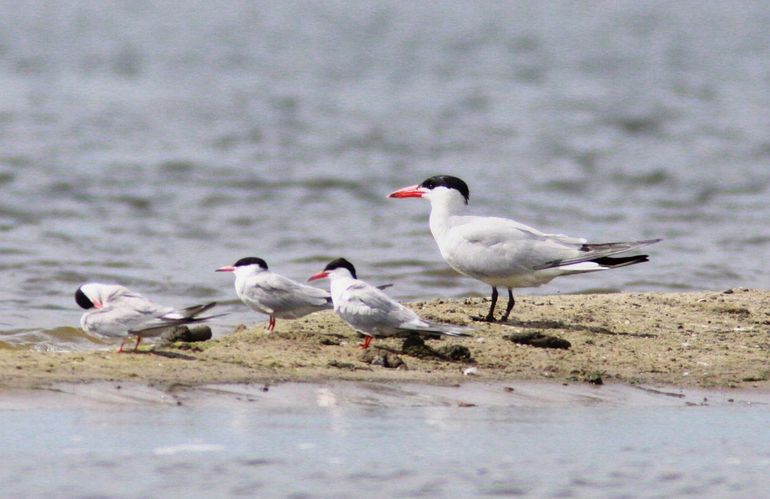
(273, 294)
(368, 310)
(114, 311)
(505, 253)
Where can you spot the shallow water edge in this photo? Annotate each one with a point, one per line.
(348, 394)
(383, 439)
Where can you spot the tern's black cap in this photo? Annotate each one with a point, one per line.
(82, 299)
(251, 260)
(449, 182)
(341, 263)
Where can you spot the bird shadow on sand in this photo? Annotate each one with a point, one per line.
(550, 324)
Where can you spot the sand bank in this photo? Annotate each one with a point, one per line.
(704, 340)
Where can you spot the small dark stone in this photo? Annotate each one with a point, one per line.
(386, 360)
(508, 389)
(329, 341)
(186, 334)
(538, 339)
(456, 353)
(394, 362)
(594, 379)
(415, 346)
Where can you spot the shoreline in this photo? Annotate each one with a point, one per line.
(691, 340)
(385, 394)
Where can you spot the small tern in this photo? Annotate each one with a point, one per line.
(505, 253)
(368, 310)
(114, 311)
(273, 294)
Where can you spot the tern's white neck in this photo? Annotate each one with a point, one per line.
(339, 281)
(244, 272)
(444, 203)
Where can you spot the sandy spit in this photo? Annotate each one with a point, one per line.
(704, 340)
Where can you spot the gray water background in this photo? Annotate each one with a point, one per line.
(549, 441)
(148, 143)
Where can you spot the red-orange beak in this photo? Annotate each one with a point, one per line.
(413, 191)
(97, 303)
(321, 275)
(228, 268)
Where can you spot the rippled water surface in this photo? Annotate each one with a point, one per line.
(421, 447)
(148, 143)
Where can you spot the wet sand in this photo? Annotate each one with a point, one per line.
(694, 340)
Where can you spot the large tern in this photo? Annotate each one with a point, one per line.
(273, 294)
(368, 310)
(114, 311)
(505, 253)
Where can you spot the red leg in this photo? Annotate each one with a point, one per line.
(270, 324)
(120, 349)
(138, 340)
(365, 344)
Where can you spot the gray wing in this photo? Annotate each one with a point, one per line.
(370, 310)
(492, 245)
(191, 312)
(175, 318)
(435, 329)
(280, 296)
(121, 316)
(497, 246)
(589, 252)
(128, 312)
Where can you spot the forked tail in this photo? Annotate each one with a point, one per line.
(601, 254)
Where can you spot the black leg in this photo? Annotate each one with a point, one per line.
(511, 303)
(491, 315)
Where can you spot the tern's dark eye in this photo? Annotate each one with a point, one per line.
(449, 182)
(342, 263)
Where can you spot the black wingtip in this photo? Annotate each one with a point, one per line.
(195, 310)
(612, 262)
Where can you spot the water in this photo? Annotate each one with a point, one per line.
(148, 143)
(419, 445)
